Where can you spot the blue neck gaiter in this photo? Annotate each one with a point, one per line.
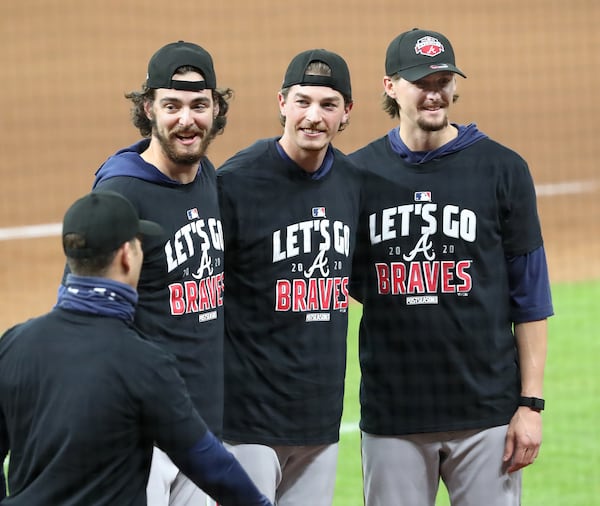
(99, 296)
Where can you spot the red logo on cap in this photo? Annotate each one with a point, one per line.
(429, 46)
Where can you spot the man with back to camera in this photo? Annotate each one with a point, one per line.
(451, 271)
(83, 397)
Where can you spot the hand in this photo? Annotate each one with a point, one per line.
(523, 439)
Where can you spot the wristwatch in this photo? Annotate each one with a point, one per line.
(532, 402)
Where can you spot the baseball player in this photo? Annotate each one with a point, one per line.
(290, 207)
(169, 179)
(451, 271)
(83, 396)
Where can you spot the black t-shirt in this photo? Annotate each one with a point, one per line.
(181, 284)
(437, 351)
(289, 240)
(82, 400)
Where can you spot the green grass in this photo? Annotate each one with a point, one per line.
(567, 470)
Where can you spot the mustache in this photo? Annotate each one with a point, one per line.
(438, 103)
(311, 125)
(178, 130)
(188, 131)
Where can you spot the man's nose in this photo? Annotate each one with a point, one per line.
(185, 117)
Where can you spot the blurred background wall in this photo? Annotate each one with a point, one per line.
(532, 66)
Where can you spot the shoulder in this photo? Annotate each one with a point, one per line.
(8, 338)
(122, 184)
(130, 346)
(502, 153)
(247, 159)
(346, 165)
(253, 167)
(132, 188)
(31, 326)
(343, 158)
(364, 156)
(207, 165)
(206, 172)
(125, 162)
(493, 160)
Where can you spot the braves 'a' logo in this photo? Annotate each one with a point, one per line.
(429, 46)
(424, 246)
(319, 263)
(205, 265)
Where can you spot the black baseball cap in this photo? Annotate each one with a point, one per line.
(418, 53)
(105, 220)
(340, 75)
(169, 58)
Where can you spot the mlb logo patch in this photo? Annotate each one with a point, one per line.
(318, 212)
(422, 196)
(429, 46)
(192, 214)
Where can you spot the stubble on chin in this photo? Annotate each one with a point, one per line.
(429, 126)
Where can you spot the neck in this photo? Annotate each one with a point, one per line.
(99, 296)
(309, 161)
(417, 139)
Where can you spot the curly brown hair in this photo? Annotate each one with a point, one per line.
(221, 98)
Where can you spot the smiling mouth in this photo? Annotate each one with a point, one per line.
(433, 107)
(186, 138)
(311, 131)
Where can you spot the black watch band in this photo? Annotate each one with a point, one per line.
(532, 402)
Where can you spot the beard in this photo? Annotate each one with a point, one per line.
(170, 148)
(430, 126)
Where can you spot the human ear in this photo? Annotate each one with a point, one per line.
(125, 253)
(281, 102)
(148, 109)
(388, 86)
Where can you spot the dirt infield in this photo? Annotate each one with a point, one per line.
(66, 64)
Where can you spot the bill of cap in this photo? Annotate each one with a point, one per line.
(420, 71)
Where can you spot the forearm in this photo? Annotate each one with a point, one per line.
(216, 471)
(531, 338)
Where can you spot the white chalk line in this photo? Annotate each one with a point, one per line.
(54, 229)
(30, 231)
(566, 188)
(348, 427)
